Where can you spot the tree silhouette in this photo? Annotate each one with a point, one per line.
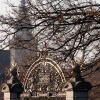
(69, 31)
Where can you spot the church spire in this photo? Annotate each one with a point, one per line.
(23, 9)
(25, 22)
(23, 2)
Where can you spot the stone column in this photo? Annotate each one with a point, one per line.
(6, 91)
(69, 95)
(77, 89)
(13, 88)
(8, 95)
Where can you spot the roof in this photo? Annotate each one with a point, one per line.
(4, 58)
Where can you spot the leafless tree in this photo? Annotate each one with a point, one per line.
(70, 32)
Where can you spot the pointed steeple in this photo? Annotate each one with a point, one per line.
(23, 9)
(25, 22)
(22, 51)
(23, 2)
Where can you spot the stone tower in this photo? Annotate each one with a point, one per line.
(23, 47)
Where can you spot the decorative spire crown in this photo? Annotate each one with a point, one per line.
(23, 7)
(23, 2)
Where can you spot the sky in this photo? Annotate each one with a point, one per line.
(4, 7)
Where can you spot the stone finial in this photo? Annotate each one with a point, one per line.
(13, 72)
(77, 72)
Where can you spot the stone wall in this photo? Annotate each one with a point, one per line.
(45, 98)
